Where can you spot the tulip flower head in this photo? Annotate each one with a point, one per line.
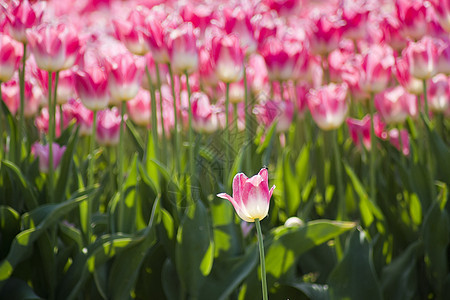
(422, 58)
(10, 55)
(251, 196)
(439, 93)
(183, 50)
(228, 58)
(395, 105)
(42, 152)
(23, 16)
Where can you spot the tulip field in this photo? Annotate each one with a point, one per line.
(203, 150)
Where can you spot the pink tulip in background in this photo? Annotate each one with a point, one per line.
(237, 21)
(41, 151)
(281, 112)
(157, 38)
(360, 130)
(422, 57)
(183, 50)
(124, 77)
(10, 55)
(139, 110)
(412, 15)
(394, 139)
(228, 58)
(377, 62)
(108, 127)
(204, 115)
(11, 97)
(23, 16)
(442, 9)
(251, 196)
(75, 110)
(439, 93)
(328, 105)
(66, 85)
(395, 105)
(326, 34)
(132, 31)
(55, 46)
(404, 77)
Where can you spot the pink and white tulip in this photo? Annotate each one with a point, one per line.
(204, 115)
(395, 105)
(23, 16)
(132, 32)
(183, 50)
(42, 152)
(251, 196)
(328, 105)
(108, 127)
(412, 15)
(376, 66)
(139, 110)
(360, 130)
(228, 58)
(439, 93)
(280, 112)
(404, 77)
(422, 57)
(10, 54)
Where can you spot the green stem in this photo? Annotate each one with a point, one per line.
(91, 150)
(372, 150)
(339, 175)
(425, 99)
(262, 259)
(22, 102)
(191, 135)
(55, 91)
(161, 100)
(236, 130)
(51, 136)
(176, 151)
(227, 134)
(120, 161)
(153, 114)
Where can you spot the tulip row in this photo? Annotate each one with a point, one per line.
(138, 115)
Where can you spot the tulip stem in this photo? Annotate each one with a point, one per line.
(51, 136)
(247, 124)
(153, 114)
(425, 99)
(120, 160)
(22, 102)
(55, 90)
(176, 151)
(192, 174)
(339, 175)
(227, 134)
(91, 150)
(262, 259)
(161, 100)
(236, 129)
(372, 150)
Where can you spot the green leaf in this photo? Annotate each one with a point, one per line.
(43, 217)
(9, 227)
(194, 251)
(289, 243)
(267, 138)
(25, 186)
(354, 277)
(17, 289)
(399, 278)
(136, 138)
(228, 274)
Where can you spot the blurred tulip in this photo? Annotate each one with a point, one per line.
(23, 16)
(204, 115)
(402, 72)
(326, 34)
(412, 15)
(54, 46)
(10, 56)
(377, 62)
(208, 76)
(439, 93)
(281, 112)
(108, 127)
(395, 105)
(139, 110)
(394, 139)
(92, 88)
(281, 57)
(443, 65)
(75, 110)
(124, 77)
(237, 21)
(199, 15)
(66, 85)
(251, 196)
(42, 152)
(360, 130)
(442, 9)
(422, 57)
(42, 121)
(228, 58)
(328, 105)
(11, 97)
(356, 17)
(183, 50)
(257, 75)
(391, 35)
(156, 39)
(132, 32)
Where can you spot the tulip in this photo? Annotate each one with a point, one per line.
(75, 110)
(395, 105)
(204, 115)
(326, 34)
(124, 77)
(42, 152)
(394, 138)
(412, 15)
(439, 93)
(66, 85)
(444, 57)
(257, 75)
(390, 27)
(199, 15)
(251, 196)
(442, 9)
(156, 39)
(411, 84)
(42, 121)
(337, 61)
(356, 17)
(23, 16)
(183, 50)
(237, 21)
(132, 32)
(281, 112)
(91, 83)
(328, 105)
(422, 57)
(208, 76)
(163, 73)
(376, 68)
(139, 109)
(360, 130)
(54, 46)
(10, 55)
(228, 58)
(108, 127)
(11, 97)
(281, 57)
